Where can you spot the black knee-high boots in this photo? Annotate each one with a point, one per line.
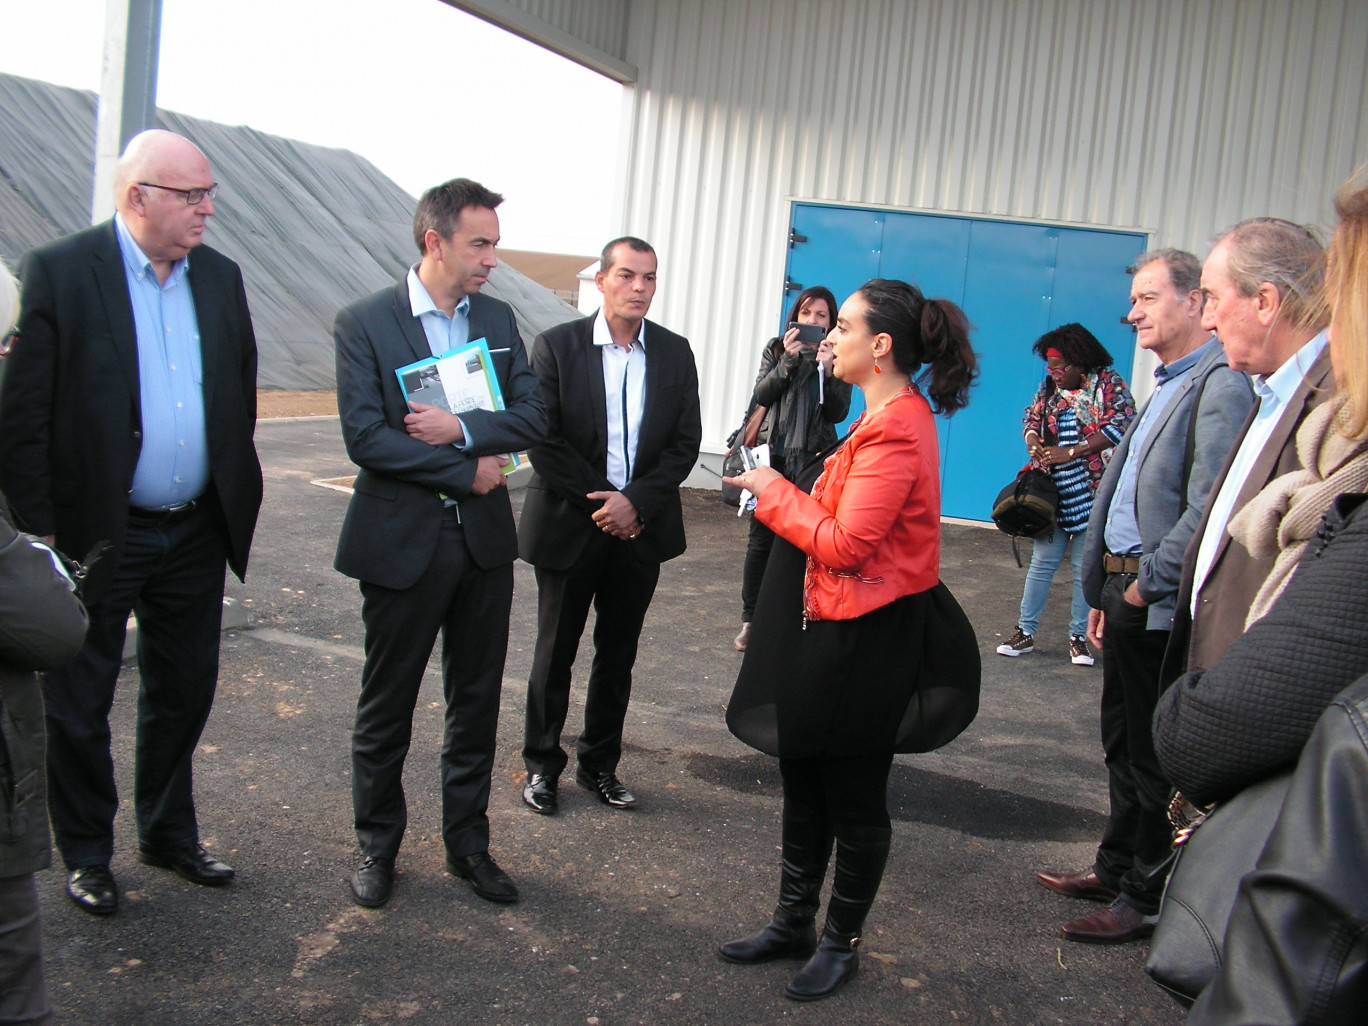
(806, 851)
(861, 853)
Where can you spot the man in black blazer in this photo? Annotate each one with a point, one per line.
(430, 535)
(602, 512)
(128, 412)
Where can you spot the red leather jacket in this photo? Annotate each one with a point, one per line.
(871, 527)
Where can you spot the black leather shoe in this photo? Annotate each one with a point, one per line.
(193, 864)
(373, 882)
(484, 876)
(93, 889)
(608, 787)
(539, 794)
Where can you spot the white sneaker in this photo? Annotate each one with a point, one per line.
(1020, 643)
(1078, 651)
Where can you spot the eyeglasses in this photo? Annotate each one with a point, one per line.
(192, 197)
(7, 343)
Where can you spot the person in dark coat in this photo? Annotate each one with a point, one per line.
(42, 626)
(804, 403)
(127, 416)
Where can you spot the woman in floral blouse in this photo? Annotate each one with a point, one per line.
(1079, 413)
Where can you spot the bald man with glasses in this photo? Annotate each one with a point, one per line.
(128, 409)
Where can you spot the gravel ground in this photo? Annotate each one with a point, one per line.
(621, 913)
(273, 404)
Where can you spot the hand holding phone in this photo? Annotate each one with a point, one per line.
(809, 334)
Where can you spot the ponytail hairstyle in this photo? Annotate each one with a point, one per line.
(930, 340)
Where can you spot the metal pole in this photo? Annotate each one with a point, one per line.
(128, 90)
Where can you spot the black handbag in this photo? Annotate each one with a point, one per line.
(1027, 508)
(747, 434)
(1185, 951)
(732, 467)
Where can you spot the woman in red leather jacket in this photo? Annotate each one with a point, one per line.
(835, 658)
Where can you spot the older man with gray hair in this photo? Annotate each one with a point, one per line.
(1132, 565)
(1261, 282)
(128, 412)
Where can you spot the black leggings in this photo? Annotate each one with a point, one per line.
(845, 792)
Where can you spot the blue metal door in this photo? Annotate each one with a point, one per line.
(1014, 280)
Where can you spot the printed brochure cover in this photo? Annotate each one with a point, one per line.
(458, 381)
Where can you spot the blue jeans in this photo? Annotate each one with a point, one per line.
(1046, 555)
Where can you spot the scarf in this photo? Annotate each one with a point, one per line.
(1282, 519)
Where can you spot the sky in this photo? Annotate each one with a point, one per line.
(422, 90)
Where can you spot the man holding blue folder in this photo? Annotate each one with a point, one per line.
(430, 534)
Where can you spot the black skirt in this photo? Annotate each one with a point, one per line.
(840, 687)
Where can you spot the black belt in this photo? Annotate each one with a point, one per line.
(170, 513)
(1114, 564)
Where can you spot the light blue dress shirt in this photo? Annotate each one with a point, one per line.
(443, 333)
(173, 463)
(1123, 528)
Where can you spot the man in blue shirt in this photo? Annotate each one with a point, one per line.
(1132, 565)
(128, 413)
(429, 534)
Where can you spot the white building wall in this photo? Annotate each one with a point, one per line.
(1176, 117)
(600, 23)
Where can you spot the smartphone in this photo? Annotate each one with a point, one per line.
(809, 334)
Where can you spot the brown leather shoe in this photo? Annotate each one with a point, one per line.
(1117, 923)
(1077, 885)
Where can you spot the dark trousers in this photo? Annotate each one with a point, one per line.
(619, 586)
(171, 574)
(1138, 837)
(23, 991)
(469, 607)
(758, 545)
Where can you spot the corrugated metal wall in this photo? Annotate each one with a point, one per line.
(1176, 117)
(600, 23)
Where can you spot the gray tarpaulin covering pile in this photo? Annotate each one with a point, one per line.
(313, 228)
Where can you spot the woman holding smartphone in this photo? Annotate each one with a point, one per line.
(805, 404)
(843, 618)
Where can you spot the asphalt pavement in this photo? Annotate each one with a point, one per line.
(621, 912)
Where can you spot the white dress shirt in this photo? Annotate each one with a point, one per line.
(1274, 392)
(624, 388)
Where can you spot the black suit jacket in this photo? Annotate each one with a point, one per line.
(395, 515)
(573, 461)
(70, 413)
